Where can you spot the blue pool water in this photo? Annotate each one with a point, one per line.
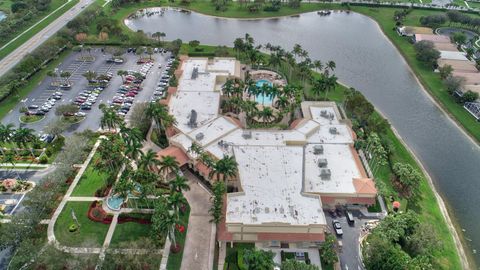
(263, 99)
(114, 202)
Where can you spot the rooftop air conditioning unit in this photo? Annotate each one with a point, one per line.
(199, 136)
(324, 113)
(318, 149)
(333, 130)
(325, 174)
(322, 163)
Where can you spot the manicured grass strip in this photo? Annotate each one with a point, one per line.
(175, 259)
(130, 231)
(91, 181)
(12, 100)
(90, 234)
(26, 36)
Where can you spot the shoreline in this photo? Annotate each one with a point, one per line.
(465, 260)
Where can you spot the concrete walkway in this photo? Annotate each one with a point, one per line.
(199, 247)
(109, 236)
(84, 199)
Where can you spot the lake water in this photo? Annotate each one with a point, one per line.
(365, 60)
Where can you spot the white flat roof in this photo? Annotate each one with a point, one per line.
(271, 178)
(212, 131)
(342, 166)
(449, 55)
(206, 105)
(337, 134)
(308, 127)
(182, 140)
(324, 115)
(224, 65)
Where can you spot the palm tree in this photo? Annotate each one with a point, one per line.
(282, 102)
(250, 109)
(224, 169)
(148, 160)
(110, 118)
(131, 135)
(23, 136)
(330, 66)
(65, 75)
(168, 164)
(330, 84)
(318, 86)
(318, 65)
(179, 184)
(266, 114)
(123, 187)
(133, 150)
(297, 50)
(159, 113)
(6, 134)
(90, 75)
(175, 201)
(122, 73)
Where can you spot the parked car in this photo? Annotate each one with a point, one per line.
(86, 107)
(337, 227)
(47, 138)
(32, 107)
(349, 216)
(80, 114)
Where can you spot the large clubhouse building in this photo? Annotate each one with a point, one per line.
(286, 178)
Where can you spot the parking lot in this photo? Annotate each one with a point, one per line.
(45, 90)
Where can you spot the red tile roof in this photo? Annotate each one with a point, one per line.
(174, 151)
(364, 186)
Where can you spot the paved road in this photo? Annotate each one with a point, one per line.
(200, 241)
(14, 57)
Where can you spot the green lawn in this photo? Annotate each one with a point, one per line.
(130, 231)
(5, 5)
(27, 35)
(175, 259)
(90, 234)
(91, 181)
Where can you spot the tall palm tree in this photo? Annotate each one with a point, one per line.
(266, 114)
(123, 187)
(168, 164)
(122, 73)
(133, 150)
(148, 161)
(131, 135)
(330, 84)
(179, 184)
(110, 119)
(23, 136)
(175, 201)
(90, 75)
(224, 169)
(282, 102)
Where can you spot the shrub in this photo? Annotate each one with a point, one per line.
(43, 159)
(72, 228)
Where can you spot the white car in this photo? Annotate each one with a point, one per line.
(80, 114)
(58, 93)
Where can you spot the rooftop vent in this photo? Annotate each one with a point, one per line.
(199, 136)
(247, 134)
(322, 163)
(325, 174)
(326, 114)
(333, 130)
(318, 149)
(195, 73)
(193, 119)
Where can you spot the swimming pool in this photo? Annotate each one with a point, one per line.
(114, 202)
(261, 98)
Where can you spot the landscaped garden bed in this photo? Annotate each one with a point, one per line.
(13, 185)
